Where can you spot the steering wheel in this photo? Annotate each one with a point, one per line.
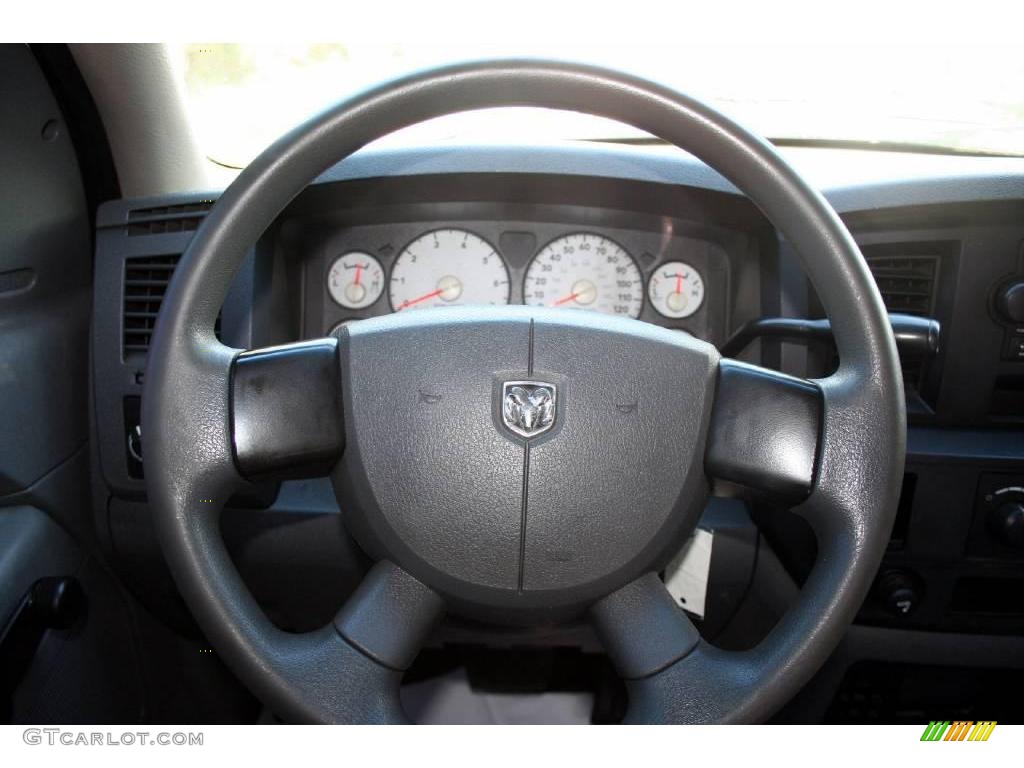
(533, 465)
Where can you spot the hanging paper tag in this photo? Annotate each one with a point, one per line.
(686, 577)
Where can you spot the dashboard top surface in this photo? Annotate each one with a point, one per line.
(851, 180)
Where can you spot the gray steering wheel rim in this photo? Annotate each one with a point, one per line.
(186, 408)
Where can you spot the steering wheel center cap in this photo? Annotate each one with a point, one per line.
(521, 461)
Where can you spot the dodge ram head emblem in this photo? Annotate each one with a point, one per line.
(528, 407)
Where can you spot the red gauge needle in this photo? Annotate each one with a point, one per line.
(679, 283)
(418, 299)
(564, 299)
(359, 268)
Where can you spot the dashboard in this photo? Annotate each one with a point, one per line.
(645, 234)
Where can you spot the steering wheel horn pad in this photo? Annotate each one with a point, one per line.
(628, 427)
(509, 528)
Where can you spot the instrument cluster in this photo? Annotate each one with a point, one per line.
(661, 277)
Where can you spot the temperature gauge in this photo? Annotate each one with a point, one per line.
(355, 280)
(676, 289)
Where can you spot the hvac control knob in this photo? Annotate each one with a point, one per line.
(1006, 522)
(1010, 302)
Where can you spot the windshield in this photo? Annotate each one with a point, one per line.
(242, 97)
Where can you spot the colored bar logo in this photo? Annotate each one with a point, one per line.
(960, 730)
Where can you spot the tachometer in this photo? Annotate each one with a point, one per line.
(676, 289)
(585, 271)
(448, 267)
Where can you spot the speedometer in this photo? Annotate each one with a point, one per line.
(448, 267)
(585, 271)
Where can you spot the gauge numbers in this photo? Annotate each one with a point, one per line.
(676, 289)
(355, 280)
(585, 271)
(448, 267)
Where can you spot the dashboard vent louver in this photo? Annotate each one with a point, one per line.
(167, 218)
(907, 283)
(908, 277)
(145, 282)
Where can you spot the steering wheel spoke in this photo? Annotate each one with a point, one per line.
(389, 616)
(671, 674)
(642, 629)
(764, 433)
(845, 509)
(350, 671)
(286, 418)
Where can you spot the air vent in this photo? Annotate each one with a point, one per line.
(167, 218)
(145, 282)
(907, 283)
(910, 279)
